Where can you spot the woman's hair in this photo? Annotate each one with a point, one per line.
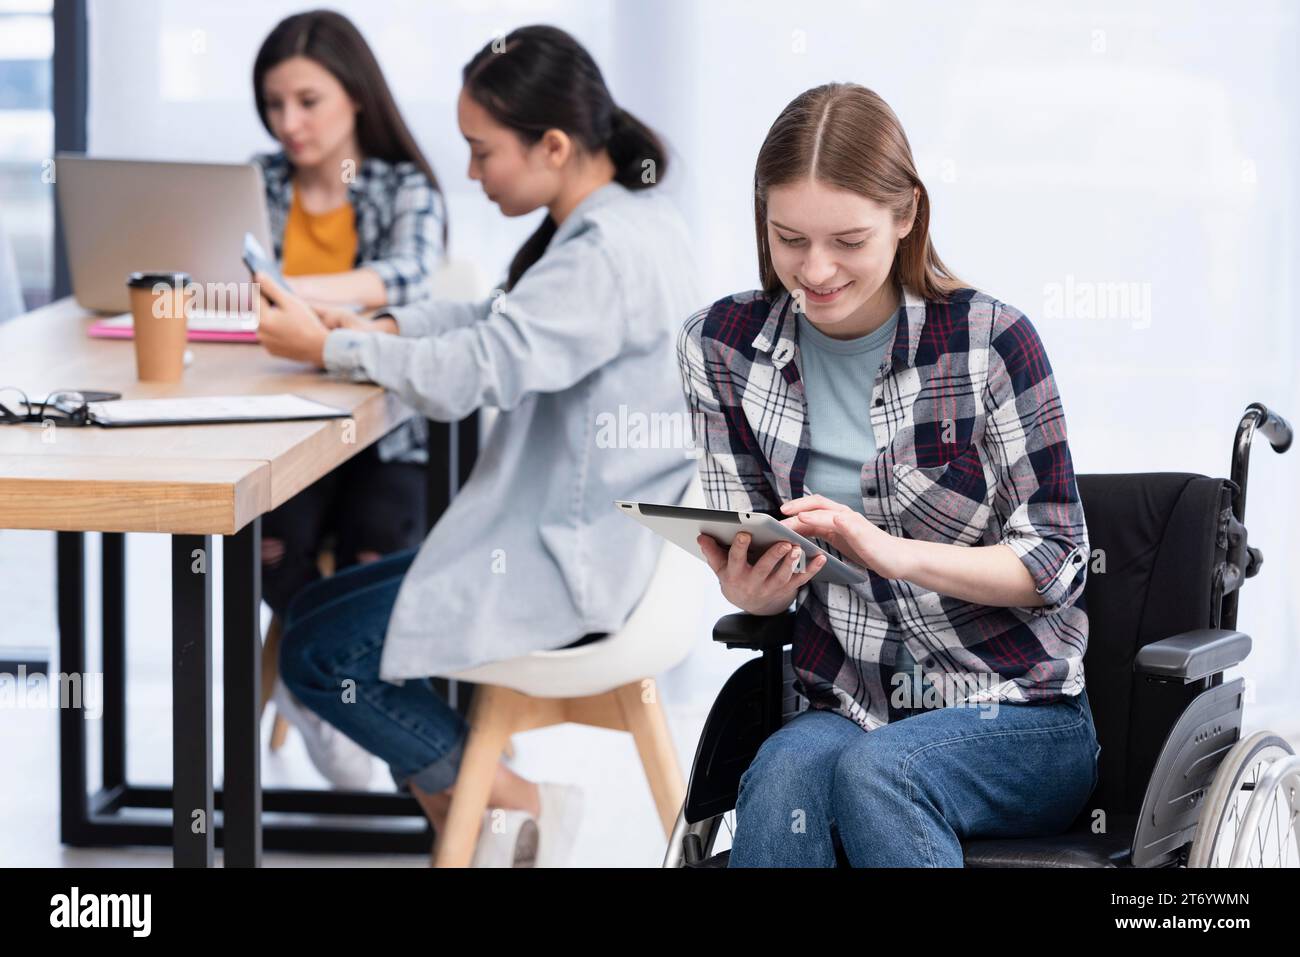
(539, 78)
(846, 136)
(332, 41)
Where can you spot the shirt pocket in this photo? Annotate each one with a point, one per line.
(949, 503)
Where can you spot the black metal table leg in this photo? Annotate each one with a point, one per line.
(192, 799)
(376, 823)
(241, 816)
(113, 616)
(74, 803)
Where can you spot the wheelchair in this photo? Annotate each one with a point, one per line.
(1178, 785)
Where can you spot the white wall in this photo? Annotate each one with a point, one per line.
(1149, 143)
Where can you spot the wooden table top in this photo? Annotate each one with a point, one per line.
(197, 479)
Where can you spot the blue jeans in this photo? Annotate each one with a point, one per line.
(329, 658)
(908, 793)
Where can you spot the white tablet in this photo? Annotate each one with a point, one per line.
(681, 525)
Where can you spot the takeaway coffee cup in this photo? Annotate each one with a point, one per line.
(159, 312)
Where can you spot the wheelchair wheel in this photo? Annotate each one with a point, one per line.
(1265, 835)
(1270, 835)
(700, 837)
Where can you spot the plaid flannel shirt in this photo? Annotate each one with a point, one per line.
(972, 450)
(399, 223)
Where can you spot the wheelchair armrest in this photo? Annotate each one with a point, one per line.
(1193, 655)
(755, 632)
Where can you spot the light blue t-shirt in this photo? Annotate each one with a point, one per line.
(838, 376)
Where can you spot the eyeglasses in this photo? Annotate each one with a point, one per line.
(66, 407)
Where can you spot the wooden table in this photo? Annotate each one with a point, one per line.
(193, 483)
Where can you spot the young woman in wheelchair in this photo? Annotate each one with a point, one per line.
(871, 400)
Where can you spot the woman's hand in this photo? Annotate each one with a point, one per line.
(865, 544)
(341, 317)
(287, 326)
(984, 574)
(766, 587)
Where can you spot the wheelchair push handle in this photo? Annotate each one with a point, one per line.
(1272, 426)
(1257, 418)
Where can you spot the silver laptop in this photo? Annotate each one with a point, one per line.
(124, 216)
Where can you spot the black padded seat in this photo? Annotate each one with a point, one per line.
(1077, 848)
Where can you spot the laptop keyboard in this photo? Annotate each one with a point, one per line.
(202, 320)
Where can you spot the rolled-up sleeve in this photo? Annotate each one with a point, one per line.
(413, 246)
(1037, 497)
(730, 475)
(565, 318)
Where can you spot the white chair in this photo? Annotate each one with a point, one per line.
(606, 684)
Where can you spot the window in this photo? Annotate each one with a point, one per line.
(26, 150)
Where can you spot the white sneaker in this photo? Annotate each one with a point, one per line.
(557, 825)
(508, 839)
(339, 759)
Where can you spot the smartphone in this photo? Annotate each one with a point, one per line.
(256, 259)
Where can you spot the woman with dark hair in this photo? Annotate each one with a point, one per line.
(356, 216)
(870, 399)
(531, 554)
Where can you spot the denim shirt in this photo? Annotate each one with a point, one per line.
(579, 360)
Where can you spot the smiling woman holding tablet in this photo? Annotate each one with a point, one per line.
(927, 415)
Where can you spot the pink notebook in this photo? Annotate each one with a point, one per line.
(221, 329)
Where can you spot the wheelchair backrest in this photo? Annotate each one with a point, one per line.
(1157, 542)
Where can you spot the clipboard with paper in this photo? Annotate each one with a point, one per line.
(208, 410)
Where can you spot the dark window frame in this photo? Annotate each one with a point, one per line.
(71, 41)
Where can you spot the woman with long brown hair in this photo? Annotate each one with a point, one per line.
(357, 216)
(870, 399)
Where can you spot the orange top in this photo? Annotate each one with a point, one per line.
(316, 243)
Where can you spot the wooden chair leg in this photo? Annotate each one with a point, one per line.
(270, 661)
(271, 671)
(644, 717)
(491, 720)
(279, 732)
